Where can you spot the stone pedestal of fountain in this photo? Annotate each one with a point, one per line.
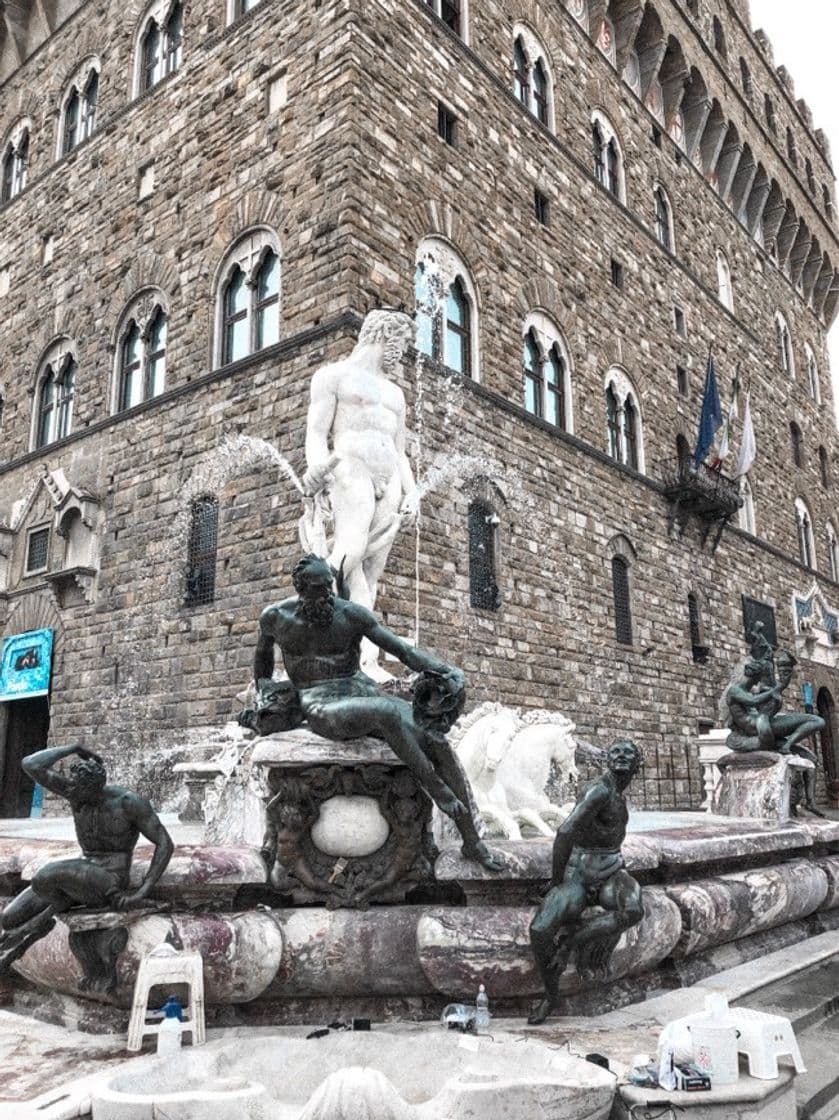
(757, 784)
(339, 823)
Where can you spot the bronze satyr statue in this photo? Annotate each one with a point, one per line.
(754, 702)
(588, 870)
(320, 634)
(109, 821)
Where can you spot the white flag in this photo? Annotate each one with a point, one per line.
(748, 448)
(724, 447)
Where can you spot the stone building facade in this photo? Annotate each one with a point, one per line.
(620, 187)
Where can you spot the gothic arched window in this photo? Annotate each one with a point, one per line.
(249, 297)
(446, 303)
(15, 163)
(608, 157)
(141, 349)
(623, 421)
(804, 524)
(79, 111)
(161, 44)
(783, 343)
(55, 394)
(547, 381)
(531, 74)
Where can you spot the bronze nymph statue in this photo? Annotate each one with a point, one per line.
(108, 821)
(588, 870)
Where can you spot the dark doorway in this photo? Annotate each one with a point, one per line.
(26, 731)
(826, 709)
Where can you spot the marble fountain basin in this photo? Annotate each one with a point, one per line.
(421, 1073)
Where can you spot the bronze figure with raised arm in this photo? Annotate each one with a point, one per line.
(588, 870)
(319, 635)
(109, 821)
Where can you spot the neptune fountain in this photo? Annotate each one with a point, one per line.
(365, 849)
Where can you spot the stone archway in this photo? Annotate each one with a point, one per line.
(826, 708)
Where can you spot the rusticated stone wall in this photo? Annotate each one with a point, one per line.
(351, 175)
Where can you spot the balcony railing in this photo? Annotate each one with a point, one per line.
(700, 490)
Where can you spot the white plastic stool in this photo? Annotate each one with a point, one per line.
(764, 1038)
(165, 965)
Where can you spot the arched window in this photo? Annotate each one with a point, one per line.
(622, 598)
(719, 39)
(521, 73)
(624, 433)
(769, 113)
(483, 547)
(747, 510)
(202, 548)
(248, 297)
(613, 427)
(724, 286)
(161, 44)
(54, 395)
(446, 314)
(792, 150)
(746, 78)
(663, 219)
(824, 467)
(804, 525)
(541, 92)
(457, 344)
(239, 7)
(547, 372)
(630, 433)
(15, 162)
(141, 351)
(797, 444)
(783, 345)
(534, 379)
(532, 75)
(813, 383)
(608, 158)
(78, 118)
(683, 453)
(453, 13)
(832, 551)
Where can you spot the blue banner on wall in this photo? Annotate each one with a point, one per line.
(26, 665)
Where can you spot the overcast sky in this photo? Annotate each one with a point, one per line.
(805, 37)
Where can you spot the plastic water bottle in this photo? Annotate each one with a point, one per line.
(482, 1015)
(171, 1029)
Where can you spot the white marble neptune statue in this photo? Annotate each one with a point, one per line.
(358, 473)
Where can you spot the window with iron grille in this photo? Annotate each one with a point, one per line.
(620, 591)
(698, 648)
(483, 585)
(201, 554)
(37, 550)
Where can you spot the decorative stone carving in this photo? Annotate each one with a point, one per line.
(301, 849)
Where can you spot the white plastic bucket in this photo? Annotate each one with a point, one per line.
(715, 1052)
